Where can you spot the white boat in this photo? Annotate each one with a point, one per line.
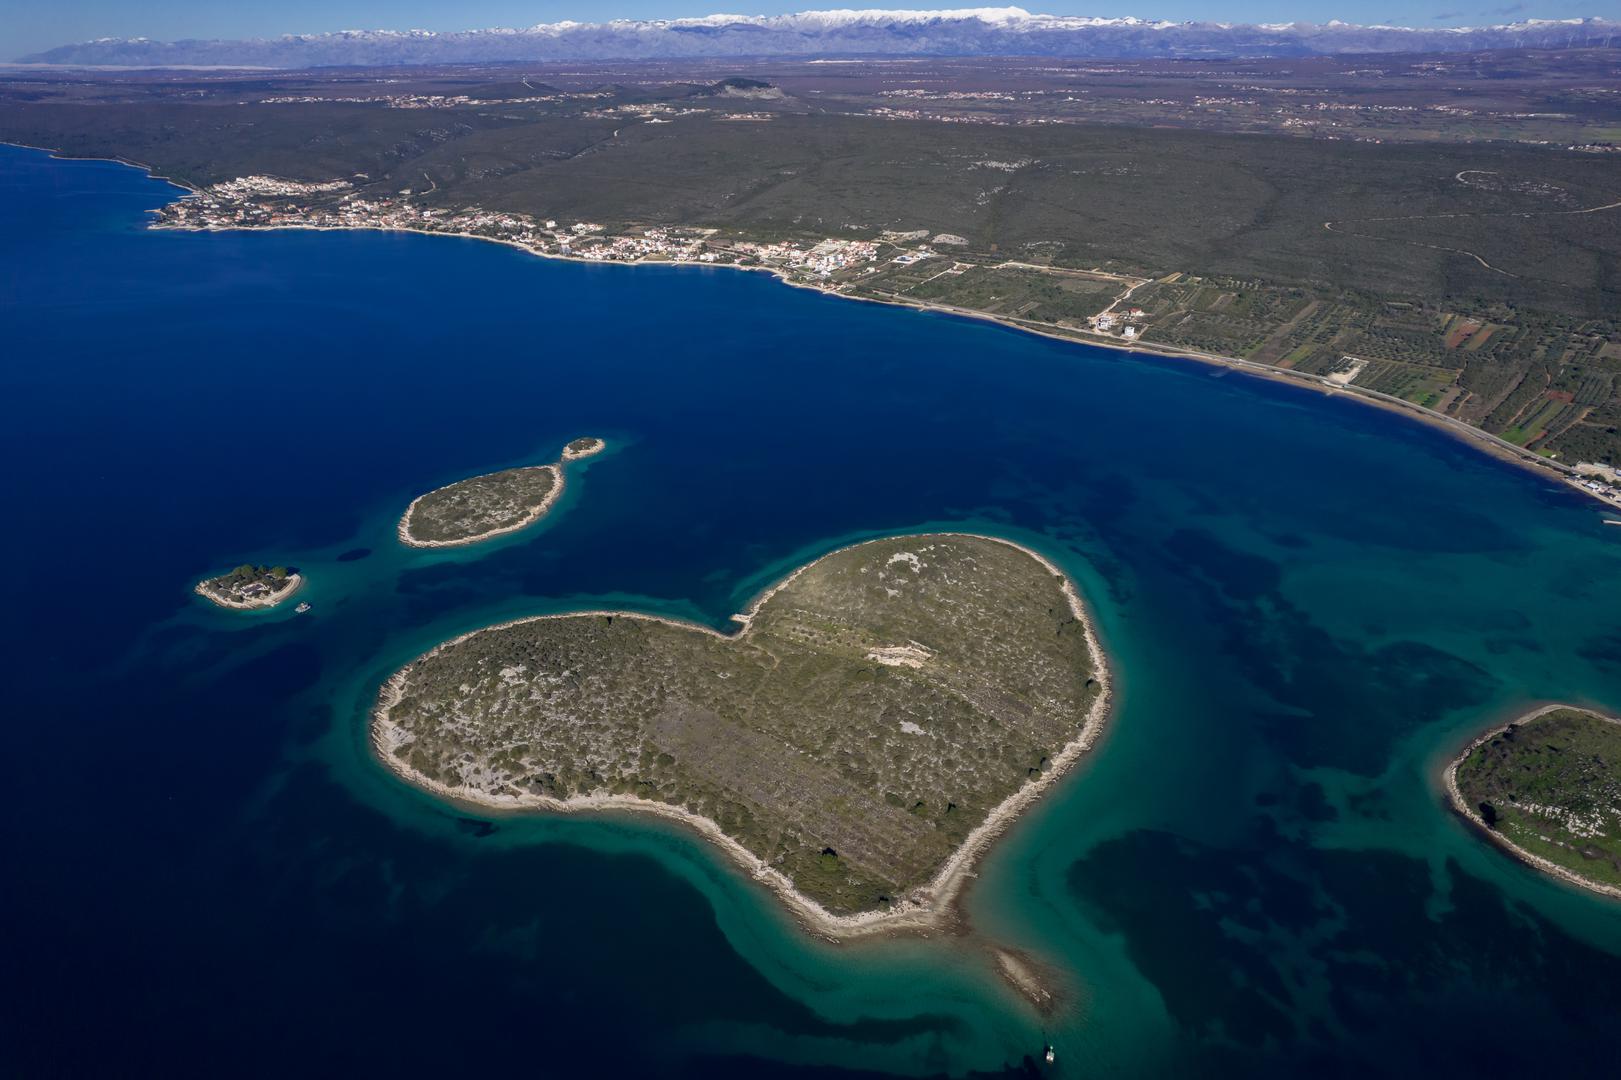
(303, 606)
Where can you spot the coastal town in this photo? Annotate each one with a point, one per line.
(266, 202)
(836, 264)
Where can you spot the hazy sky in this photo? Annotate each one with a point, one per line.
(28, 25)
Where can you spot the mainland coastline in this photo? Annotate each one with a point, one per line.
(1478, 438)
(1481, 440)
(930, 908)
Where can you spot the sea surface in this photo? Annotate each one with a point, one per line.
(1310, 605)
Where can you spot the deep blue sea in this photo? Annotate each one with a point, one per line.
(1310, 604)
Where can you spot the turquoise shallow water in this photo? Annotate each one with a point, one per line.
(1310, 605)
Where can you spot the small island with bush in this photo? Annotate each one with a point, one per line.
(583, 448)
(249, 587)
(1547, 787)
(494, 504)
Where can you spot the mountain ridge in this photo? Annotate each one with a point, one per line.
(1007, 31)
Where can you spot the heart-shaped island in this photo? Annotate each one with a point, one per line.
(882, 713)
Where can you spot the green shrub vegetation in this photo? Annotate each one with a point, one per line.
(1552, 786)
(480, 506)
(878, 706)
(1478, 278)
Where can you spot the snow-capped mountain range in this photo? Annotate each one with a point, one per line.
(965, 32)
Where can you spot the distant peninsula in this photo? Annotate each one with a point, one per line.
(494, 504)
(882, 714)
(1547, 787)
(249, 587)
